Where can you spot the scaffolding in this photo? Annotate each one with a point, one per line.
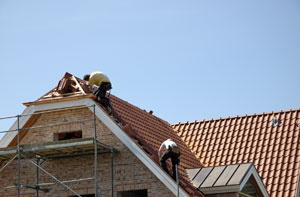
(52, 150)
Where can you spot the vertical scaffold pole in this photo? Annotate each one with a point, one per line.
(19, 157)
(37, 177)
(177, 180)
(96, 152)
(112, 173)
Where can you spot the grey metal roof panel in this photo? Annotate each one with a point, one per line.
(224, 179)
(201, 176)
(226, 175)
(192, 172)
(213, 176)
(239, 174)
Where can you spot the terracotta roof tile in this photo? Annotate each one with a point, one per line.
(275, 151)
(153, 131)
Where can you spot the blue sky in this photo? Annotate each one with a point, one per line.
(185, 60)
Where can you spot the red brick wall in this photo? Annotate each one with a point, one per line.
(129, 172)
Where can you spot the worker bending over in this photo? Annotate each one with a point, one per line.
(171, 150)
(101, 80)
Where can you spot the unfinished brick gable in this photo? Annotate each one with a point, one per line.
(129, 172)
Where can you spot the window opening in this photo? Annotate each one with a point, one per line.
(133, 193)
(67, 135)
(250, 189)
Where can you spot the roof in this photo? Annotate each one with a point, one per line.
(151, 131)
(230, 178)
(272, 144)
(145, 130)
(69, 87)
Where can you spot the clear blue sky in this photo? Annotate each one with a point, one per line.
(185, 60)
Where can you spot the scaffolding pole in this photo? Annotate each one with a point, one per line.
(96, 151)
(112, 173)
(177, 179)
(19, 155)
(46, 172)
(9, 162)
(37, 178)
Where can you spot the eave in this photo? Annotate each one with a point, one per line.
(59, 99)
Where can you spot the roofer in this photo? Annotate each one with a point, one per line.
(101, 80)
(171, 150)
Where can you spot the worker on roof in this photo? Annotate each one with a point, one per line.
(101, 80)
(171, 150)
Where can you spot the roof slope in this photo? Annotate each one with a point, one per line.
(275, 150)
(151, 130)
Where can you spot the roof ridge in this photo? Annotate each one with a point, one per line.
(237, 116)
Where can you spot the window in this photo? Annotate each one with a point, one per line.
(133, 193)
(250, 189)
(67, 135)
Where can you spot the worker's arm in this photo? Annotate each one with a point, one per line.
(91, 83)
(162, 146)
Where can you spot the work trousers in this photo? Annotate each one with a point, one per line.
(101, 94)
(174, 159)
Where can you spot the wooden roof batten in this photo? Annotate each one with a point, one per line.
(68, 88)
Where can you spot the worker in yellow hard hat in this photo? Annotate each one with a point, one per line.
(101, 80)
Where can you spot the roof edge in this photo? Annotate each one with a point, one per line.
(237, 116)
(54, 100)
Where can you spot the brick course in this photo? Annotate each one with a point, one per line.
(129, 172)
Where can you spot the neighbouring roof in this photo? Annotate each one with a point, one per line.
(269, 140)
(230, 178)
(145, 129)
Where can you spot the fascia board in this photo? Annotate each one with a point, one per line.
(220, 189)
(260, 184)
(9, 136)
(298, 186)
(138, 152)
(125, 139)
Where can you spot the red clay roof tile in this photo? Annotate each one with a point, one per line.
(153, 131)
(275, 151)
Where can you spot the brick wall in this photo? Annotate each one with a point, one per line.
(223, 195)
(129, 172)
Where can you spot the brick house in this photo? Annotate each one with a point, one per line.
(69, 146)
